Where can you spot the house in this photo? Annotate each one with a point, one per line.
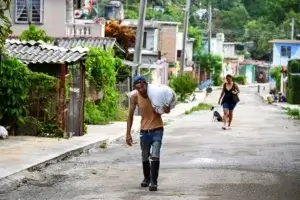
(159, 39)
(54, 60)
(150, 40)
(284, 50)
(188, 49)
(50, 15)
(255, 71)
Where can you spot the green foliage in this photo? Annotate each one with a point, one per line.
(240, 79)
(196, 33)
(294, 66)
(275, 73)
(4, 22)
(217, 80)
(42, 102)
(93, 114)
(122, 71)
(208, 61)
(183, 85)
(199, 107)
(293, 90)
(35, 34)
(233, 19)
(100, 66)
(294, 113)
(14, 87)
(30, 105)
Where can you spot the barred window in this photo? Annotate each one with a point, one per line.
(21, 15)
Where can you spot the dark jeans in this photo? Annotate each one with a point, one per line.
(148, 139)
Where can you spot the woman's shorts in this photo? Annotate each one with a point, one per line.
(229, 106)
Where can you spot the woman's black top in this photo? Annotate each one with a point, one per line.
(228, 95)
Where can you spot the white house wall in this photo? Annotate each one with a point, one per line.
(279, 60)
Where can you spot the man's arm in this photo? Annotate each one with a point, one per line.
(133, 101)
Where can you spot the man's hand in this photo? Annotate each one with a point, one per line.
(219, 102)
(167, 109)
(129, 139)
(234, 92)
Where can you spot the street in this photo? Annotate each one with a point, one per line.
(259, 159)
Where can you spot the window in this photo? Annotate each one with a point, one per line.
(145, 40)
(286, 51)
(21, 15)
(178, 53)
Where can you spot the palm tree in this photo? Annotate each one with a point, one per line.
(4, 22)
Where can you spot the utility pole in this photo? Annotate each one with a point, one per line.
(209, 33)
(137, 59)
(199, 74)
(185, 33)
(209, 28)
(293, 27)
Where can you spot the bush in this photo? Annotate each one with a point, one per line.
(217, 80)
(100, 67)
(294, 66)
(93, 114)
(240, 79)
(183, 85)
(293, 95)
(275, 73)
(14, 87)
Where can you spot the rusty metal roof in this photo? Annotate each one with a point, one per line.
(40, 52)
(98, 42)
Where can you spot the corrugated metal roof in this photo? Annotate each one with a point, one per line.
(70, 42)
(99, 42)
(40, 52)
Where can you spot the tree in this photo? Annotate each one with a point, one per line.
(196, 33)
(32, 33)
(4, 22)
(207, 61)
(261, 32)
(125, 36)
(233, 21)
(183, 85)
(122, 71)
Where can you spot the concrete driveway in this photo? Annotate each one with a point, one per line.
(259, 159)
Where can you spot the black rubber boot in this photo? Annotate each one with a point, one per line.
(154, 175)
(146, 171)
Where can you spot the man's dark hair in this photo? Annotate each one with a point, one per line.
(228, 76)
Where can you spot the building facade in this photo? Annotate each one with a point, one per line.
(285, 50)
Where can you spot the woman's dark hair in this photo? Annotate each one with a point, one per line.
(228, 76)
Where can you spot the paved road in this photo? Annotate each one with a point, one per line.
(259, 159)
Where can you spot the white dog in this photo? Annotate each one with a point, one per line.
(3, 133)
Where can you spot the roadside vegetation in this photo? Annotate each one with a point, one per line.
(293, 113)
(199, 107)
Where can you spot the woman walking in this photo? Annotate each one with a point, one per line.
(229, 97)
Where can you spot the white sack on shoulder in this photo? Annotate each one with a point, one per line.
(160, 96)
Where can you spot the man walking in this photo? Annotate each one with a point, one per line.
(151, 132)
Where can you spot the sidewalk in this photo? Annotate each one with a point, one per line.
(24, 152)
(265, 93)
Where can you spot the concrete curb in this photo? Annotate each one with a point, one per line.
(77, 151)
